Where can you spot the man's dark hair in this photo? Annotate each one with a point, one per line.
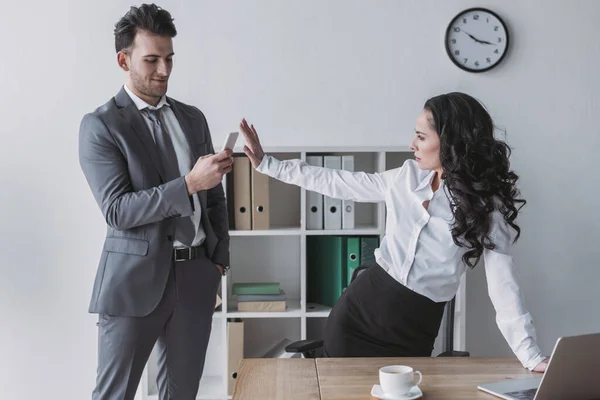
(147, 17)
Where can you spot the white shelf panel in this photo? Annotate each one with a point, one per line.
(317, 310)
(361, 230)
(274, 231)
(293, 311)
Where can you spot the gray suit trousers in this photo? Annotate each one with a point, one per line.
(180, 327)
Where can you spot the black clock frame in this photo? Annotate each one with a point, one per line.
(448, 29)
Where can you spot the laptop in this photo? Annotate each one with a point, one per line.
(572, 373)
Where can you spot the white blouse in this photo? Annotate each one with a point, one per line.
(417, 249)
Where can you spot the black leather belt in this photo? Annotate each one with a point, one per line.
(188, 253)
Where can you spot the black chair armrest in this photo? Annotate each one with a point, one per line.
(454, 353)
(303, 346)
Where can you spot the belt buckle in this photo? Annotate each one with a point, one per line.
(189, 254)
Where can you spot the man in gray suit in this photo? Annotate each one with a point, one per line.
(148, 161)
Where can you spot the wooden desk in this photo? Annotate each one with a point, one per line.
(277, 379)
(443, 378)
(353, 378)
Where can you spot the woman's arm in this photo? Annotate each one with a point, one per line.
(357, 186)
(515, 323)
(339, 184)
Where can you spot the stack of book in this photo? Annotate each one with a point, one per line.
(259, 296)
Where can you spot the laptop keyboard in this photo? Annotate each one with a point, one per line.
(528, 394)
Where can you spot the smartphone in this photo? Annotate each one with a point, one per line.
(230, 141)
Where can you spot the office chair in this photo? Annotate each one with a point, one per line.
(314, 348)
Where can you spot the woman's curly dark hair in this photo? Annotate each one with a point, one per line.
(476, 170)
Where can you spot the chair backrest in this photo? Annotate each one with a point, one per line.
(358, 271)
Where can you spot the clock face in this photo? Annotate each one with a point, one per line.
(476, 40)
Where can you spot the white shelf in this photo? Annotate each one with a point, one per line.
(293, 311)
(363, 231)
(274, 231)
(317, 310)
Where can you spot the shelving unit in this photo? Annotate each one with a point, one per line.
(279, 254)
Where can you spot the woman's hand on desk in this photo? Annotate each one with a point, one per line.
(253, 149)
(541, 367)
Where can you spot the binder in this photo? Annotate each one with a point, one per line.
(241, 193)
(325, 269)
(260, 201)
(367, 247)
(348, 205)
(314, 200)
(235, 351)
(352, 257)
(229, 197)
(332, 207)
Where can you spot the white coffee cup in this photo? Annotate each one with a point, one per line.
(397, 380)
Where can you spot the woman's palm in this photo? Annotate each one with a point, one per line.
(253, 149)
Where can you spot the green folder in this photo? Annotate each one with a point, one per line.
(368, 244)
(325, 274)
(352, 257)
(255, 288)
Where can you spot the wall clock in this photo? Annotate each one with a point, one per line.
(476, 40)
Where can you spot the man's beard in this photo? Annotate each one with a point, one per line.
(145, 88)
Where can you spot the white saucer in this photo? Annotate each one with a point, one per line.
(414, 393)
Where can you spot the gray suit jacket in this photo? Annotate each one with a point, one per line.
(122, 167)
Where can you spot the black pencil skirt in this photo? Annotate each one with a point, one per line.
(377, 316)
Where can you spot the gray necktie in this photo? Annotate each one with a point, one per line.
(184, 227)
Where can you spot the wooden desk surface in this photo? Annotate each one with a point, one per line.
(277, 379)
(443, 378)
(353, 378)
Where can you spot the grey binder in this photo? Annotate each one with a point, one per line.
(348, 205)
(314, 200)
(332, 208)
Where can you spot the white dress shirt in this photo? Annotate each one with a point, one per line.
(182, 151)
(417, 249)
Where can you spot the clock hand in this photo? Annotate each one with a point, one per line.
(471, 36)
(477, 40)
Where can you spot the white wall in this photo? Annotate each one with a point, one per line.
(310, 71)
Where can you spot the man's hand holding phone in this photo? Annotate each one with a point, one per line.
(209, 169)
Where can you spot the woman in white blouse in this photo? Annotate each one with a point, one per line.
(455, 202)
